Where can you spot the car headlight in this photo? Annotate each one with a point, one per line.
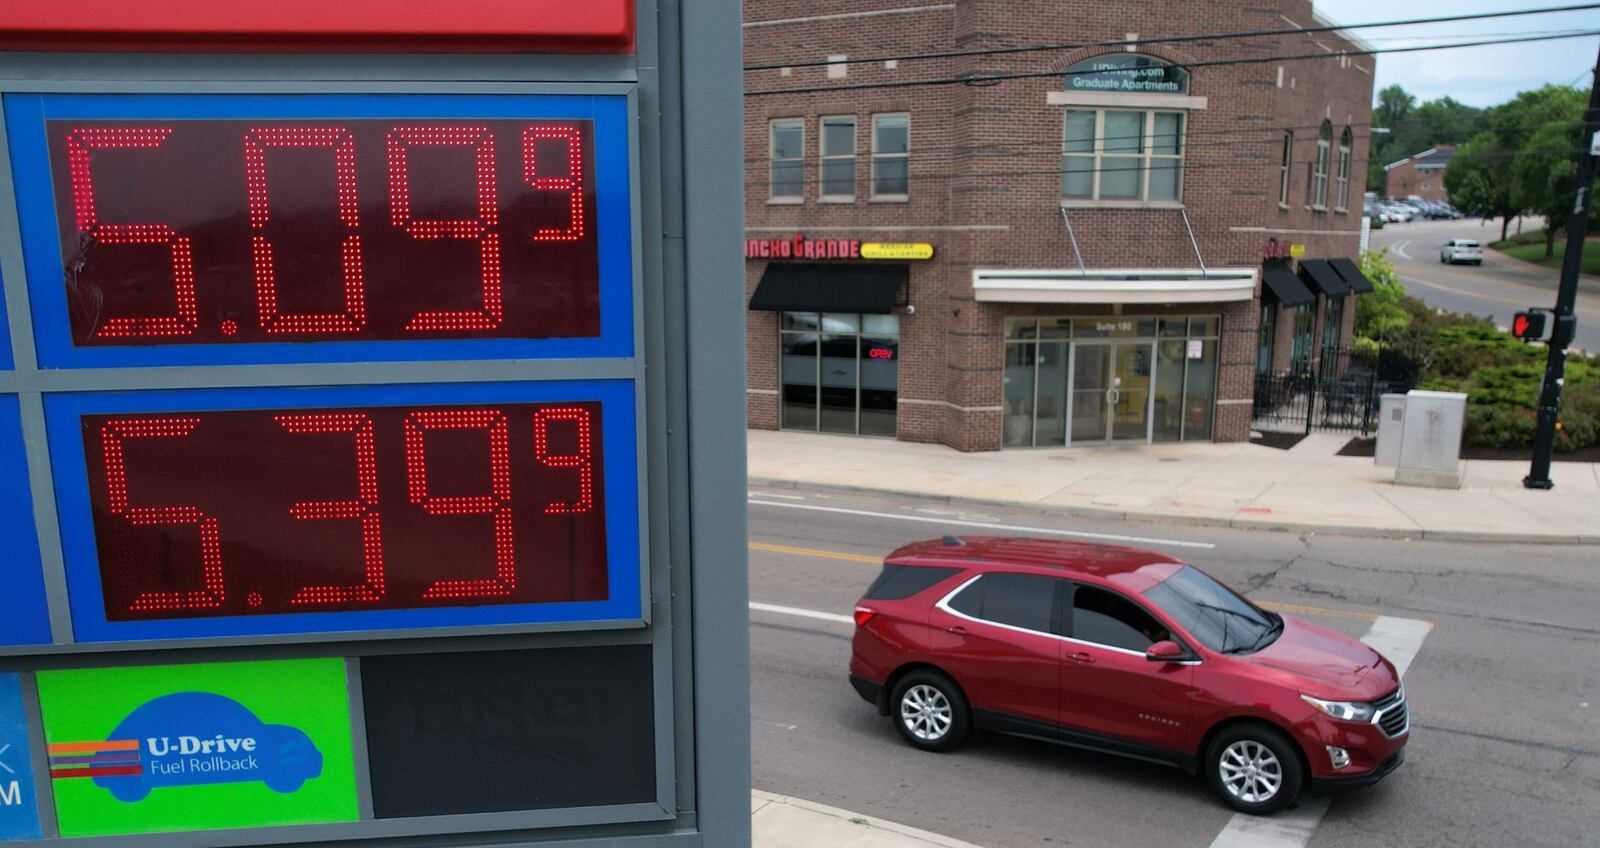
(1342, 710)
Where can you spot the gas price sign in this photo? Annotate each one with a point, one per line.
(297, 230)
(200, 230)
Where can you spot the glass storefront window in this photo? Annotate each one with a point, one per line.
(1300, 349)
(1109, 380)
(1018, 418)
(1332, 323)
(1100, 386)
(843, 379)
(1266, 336)
(1168, 411)
(1022, 328)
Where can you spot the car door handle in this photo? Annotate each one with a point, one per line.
(1081, 657)
(956, 629)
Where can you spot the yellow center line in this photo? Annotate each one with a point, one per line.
(818, 553)
(815, 553)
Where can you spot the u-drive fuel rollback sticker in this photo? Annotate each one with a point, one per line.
(199, 747)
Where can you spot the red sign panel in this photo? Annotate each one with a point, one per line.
(208, 231)
(300, 511)
(592, 26)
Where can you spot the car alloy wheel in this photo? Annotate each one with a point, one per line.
(929, 710)
(926, 713)
(1250, 772)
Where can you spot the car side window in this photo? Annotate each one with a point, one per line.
(1106, 618)
(1017, 600)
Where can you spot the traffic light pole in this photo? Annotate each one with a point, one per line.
(1555, 368)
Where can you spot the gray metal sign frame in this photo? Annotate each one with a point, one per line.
(688, 372)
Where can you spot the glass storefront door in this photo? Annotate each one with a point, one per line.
(1087, 381)
(1110, 391)
(1130, 390)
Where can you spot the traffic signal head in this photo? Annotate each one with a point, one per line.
(1528, 326)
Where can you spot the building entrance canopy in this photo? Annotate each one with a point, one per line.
(1117, 285)
(818, 287)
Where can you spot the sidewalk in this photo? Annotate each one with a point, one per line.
(1305, 489)
(777, 821)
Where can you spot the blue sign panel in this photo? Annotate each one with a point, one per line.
(19, 806)
(245, 512)
(6, 363)
(163, 230)
(24, 617)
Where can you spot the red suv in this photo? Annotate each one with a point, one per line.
(1125, 651)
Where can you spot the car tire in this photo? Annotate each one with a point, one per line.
(1254, 768)
(929, 711)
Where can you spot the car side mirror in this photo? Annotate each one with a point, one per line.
(1165, 651)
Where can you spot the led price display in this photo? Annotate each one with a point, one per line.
(214, 231)
(260, 512)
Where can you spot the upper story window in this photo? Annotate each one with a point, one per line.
(1319, 167)
(1283, 170)
(1122, 154)
(1342, 195)
(891, 156)
(838, 152)
(786, 151)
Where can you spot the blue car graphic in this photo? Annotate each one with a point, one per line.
(199, 738)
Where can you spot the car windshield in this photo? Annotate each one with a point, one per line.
(1213, 614)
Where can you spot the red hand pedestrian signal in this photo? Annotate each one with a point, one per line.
(1528, 325)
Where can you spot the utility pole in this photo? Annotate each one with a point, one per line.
(1566, 323)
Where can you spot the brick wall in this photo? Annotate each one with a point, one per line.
(985, 176)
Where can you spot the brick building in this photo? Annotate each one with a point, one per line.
(1111, 248)
(1421, 175)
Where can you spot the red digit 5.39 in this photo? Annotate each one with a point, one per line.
(251, 512)
(221, 231)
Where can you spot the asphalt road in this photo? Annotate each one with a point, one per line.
(1504, 689)
(1498, 288)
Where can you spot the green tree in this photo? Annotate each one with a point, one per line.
(1545, 169)
(1414, 127)
(1380, 313)
(1479, 180)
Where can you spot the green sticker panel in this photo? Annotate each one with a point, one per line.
(152, 749)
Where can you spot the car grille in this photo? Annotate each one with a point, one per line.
(1393, 717)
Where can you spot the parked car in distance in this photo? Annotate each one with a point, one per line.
(1126, 651)
(1461, 250)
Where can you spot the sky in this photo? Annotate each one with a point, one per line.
(1477, 76)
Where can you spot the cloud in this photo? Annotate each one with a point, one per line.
(1478, 76)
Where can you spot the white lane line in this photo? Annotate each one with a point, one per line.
(1399, 249)
(802, 613)
(991, 526)
(1399, 639)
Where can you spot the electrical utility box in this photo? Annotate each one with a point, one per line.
(365, 412)
(1430, 446)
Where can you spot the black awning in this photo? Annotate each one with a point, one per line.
(1284, 286)
(1321, 277)
(1351, 272)
(815, 287)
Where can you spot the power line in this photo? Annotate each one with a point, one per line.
(1272, 167)
(1175, 39)
(994, 79)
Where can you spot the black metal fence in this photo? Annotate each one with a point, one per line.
(1337, 395)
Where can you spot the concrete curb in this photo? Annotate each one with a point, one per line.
(923, 836)
(1237, 522)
